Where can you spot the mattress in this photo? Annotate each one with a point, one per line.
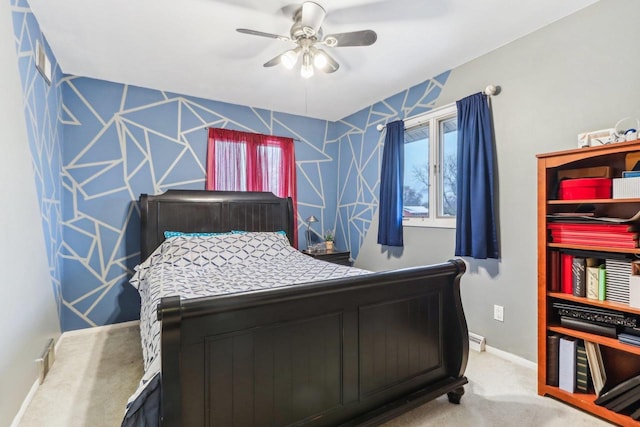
(198, 265)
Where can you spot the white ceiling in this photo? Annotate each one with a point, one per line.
(191, 47)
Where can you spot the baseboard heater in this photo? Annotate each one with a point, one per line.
(476, 342)
(46, 360)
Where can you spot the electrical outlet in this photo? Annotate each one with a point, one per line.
(498, 313)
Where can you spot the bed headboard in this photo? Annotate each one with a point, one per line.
(211, 211)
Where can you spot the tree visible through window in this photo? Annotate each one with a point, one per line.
(430, 169)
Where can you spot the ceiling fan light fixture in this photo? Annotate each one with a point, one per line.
(290, 58)
(307, 33)
(306, 71)
(320, 60)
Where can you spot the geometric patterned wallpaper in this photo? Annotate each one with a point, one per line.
(361, 155)
(44, 132)
(98, 145)
(121, 141)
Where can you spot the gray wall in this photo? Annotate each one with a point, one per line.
(28, 317)
(580, 73)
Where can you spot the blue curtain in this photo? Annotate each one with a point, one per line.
(476, 230)
(391, 184)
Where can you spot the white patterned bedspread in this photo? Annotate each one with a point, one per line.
(195, 266)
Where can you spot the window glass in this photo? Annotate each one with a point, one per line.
(415, 194)
(430, 169)
(449, 167)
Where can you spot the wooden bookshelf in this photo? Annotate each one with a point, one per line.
(621, 360)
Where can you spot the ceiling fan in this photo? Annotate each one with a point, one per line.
(306, 32)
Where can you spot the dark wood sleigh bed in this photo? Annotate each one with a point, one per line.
(352, 351)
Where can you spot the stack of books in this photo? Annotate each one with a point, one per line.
(574, 365)
(597, 235)
(624, 397)
(593, 320)
(630, 336)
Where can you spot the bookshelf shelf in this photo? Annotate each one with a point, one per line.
(595, 248)
(621, 361)
(585, 402)
(609, 342)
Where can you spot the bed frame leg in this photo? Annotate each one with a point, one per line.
(455, 395)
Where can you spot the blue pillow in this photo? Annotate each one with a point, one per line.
(169, 234)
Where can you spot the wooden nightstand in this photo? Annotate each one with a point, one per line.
(335, 256)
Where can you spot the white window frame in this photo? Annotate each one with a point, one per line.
(433, 119)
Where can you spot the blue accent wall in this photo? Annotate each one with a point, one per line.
(360, 156)
(121, 141)
(42, 106)
(98, 145)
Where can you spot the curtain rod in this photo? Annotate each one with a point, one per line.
(295, 139)
(490, 90)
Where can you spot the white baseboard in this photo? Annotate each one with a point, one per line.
(25, 403)
(36, 384)
(512, 358)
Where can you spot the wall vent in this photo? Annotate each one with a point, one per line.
(46, 360)
(43, 64)
(476, 342)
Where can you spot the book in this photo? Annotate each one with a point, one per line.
(591, 219)
(554, 271)
(626, 399)
(579, 281)
(582, 369)
(635, 331)
(602, 282)
(590, 327)
(592, 228)
(602, 234)
(596, 366)
(558, 236)
(566, 282)
(618, 390)
(553, 348)
(593, 283)
(595, 242)
(567, 364)
(630, 174)
(634, 287)
(629, 339)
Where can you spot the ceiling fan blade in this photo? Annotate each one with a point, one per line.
(311, 16)
(354, 38)
(273, 61)
(262, 34)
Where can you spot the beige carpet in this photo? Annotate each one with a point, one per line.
(95, 373)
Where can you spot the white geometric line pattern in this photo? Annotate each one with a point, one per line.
(121, 141)
(44, 130)
(361, 155)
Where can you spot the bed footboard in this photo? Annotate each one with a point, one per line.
(353, 351)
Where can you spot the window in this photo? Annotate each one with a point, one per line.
(242, 161)
(430, 169)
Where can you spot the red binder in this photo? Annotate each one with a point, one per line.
(566, 281)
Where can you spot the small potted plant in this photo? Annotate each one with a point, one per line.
(328, 239)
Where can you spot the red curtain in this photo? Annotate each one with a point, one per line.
(242, 161)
